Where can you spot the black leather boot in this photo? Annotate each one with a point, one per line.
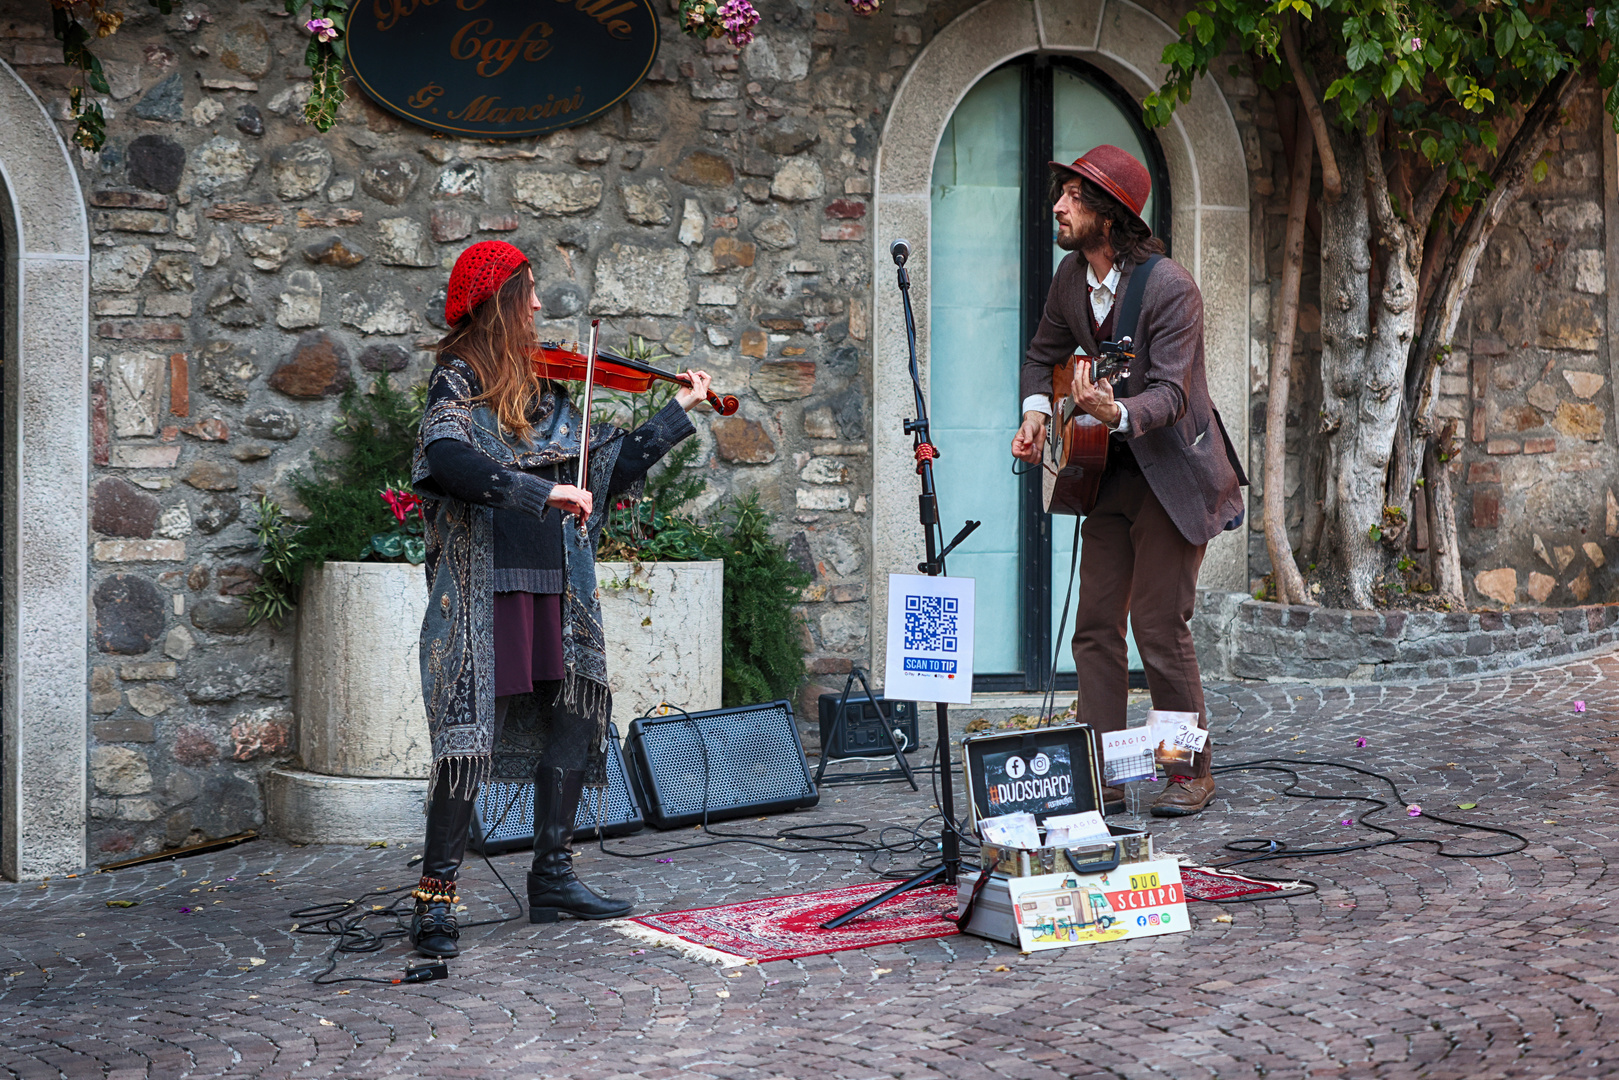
(433, 928)
(553, 890)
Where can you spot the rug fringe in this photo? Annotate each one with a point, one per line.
(1281, 886)
(634, 930)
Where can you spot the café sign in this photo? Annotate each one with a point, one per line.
(500, 69)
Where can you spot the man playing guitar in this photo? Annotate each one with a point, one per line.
(1172, 478)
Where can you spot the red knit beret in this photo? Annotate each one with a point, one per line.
(1118, 173)
(480, 270)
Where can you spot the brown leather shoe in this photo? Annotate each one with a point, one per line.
(1185, 795)
(1112, 800)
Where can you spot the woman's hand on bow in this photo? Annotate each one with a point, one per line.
(570, 499)
(689, 396)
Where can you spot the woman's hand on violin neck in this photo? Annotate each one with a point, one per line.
(696, 392)
(570, 499)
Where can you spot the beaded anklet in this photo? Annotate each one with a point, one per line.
(435, 891)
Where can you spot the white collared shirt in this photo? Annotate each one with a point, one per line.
(1103, 293)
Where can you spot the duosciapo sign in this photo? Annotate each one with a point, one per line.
(500, 69)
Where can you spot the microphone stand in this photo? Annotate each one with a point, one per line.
(949, 868)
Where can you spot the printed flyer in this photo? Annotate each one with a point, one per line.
(1055, 911)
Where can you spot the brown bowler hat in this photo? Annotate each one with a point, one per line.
(1118, 173)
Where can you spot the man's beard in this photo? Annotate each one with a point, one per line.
(1092, 239)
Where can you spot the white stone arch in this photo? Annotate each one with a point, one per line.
(46, 460)
(1209, 198)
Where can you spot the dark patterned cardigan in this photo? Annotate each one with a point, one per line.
(457, 641)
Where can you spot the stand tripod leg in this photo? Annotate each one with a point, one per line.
(834, 737)
(903, 887)
(899, 755)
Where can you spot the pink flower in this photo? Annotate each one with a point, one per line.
(1360, 742)
(1590, 16)
(323, 29)
(1414, 810)
(739, 18)
(1416, 43)
(402, 503)
(1347, 821)
(865, 7)
(1579, 706)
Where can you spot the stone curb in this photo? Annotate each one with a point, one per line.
(1239, 637)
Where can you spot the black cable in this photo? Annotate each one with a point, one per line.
(835, 843)
(1265, 849)
(353, 936)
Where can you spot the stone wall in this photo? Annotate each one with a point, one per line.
(246, 270)
(1527, 382)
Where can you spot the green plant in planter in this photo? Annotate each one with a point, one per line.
(359, 507)
(764, 643)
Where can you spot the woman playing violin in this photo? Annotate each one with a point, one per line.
(513, 660)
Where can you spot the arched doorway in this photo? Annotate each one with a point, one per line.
(43, 337)
(993, 264)
(1205, 181)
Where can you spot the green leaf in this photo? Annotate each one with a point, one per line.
(1541, 168)
(1391, 82)
(1467, 806)
(1430, 148)
(1505, 36)
(415, 550)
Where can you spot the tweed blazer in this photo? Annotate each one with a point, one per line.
(1174, 429)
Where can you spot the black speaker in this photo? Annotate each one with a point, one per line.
(862, 734)
(742, 761)
(503, 814)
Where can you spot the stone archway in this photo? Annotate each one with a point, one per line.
(46, 428)
(1209, 185)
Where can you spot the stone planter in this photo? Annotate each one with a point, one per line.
(363, 746)
(664, 627)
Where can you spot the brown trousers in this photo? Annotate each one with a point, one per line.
(1134, 563)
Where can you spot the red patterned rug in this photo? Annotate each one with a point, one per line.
(784, 927)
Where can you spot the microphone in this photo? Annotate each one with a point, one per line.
(900, 250)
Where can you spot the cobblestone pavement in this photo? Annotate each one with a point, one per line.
(1403, 965)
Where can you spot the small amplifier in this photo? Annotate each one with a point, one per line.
(503, 814)
(726, 763)
(862, 733)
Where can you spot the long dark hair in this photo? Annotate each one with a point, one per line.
(497, 339)
(1128, 234)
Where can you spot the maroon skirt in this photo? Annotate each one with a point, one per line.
(528, 641)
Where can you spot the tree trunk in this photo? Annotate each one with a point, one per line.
(1345, 332)
(1363, 360)
(1447, 565)
(1284, 571)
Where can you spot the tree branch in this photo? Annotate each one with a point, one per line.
(1331, 181)
(1511, 173)
(1427, 201)
(1388, 222)
(1284, 570)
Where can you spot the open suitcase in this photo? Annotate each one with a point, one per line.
(1049, 897)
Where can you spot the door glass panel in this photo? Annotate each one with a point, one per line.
(974, 293)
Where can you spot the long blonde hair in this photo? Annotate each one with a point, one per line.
(498, 339)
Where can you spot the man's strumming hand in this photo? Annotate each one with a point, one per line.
(1030, 437)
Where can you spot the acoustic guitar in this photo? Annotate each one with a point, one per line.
(1076, 442)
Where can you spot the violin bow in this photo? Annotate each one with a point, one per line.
(584, 427)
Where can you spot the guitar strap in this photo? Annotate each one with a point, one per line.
(1130, 307)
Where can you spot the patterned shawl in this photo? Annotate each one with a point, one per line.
(457, 643)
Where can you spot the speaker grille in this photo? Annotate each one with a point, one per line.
(745, 760)
(504, 829)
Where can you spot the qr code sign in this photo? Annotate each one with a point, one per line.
(930, 623)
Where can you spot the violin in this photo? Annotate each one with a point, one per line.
(565, 362)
